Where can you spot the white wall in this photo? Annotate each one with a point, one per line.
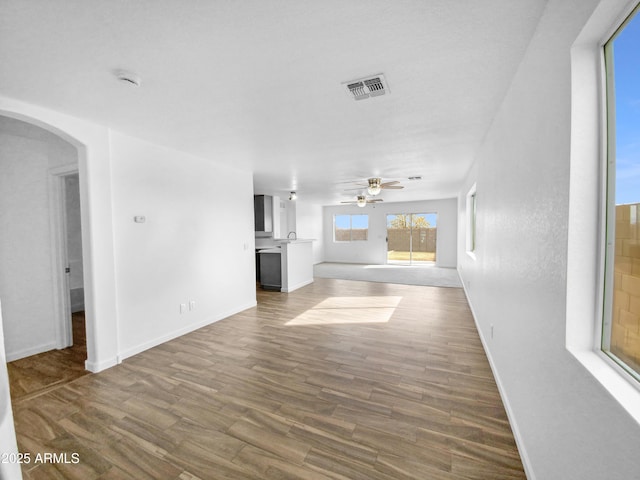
(567, 425)
(197, 243)
(136, 275)
(94, 166)
(374, 250)
(26, 275)
(309, 225)
(8, 444)
(183, 197)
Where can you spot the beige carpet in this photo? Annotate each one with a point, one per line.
(428, 275)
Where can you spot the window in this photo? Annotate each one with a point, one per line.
(621, 313)
(586, 235)
(350, 228)
(471, 220)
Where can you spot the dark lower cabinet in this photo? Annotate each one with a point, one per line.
(257, 265)
(270, 271)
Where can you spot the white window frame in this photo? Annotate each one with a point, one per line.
(350, 215)
(610, 213)
(472, 231)
(586, 230)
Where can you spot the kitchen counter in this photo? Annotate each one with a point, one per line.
(297, 263)
(293, 240)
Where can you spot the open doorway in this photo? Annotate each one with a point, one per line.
(74, 270)
(411, 238)
(38, 239)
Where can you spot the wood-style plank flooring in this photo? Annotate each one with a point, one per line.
(40, 373)
(337, 380)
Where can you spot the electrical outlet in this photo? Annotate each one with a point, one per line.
(183, 307)
(192, 304)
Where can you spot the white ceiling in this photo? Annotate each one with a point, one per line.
(258, 83)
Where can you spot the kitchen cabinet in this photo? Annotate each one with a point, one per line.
(287, 266)
(270, 269)
(263, 212)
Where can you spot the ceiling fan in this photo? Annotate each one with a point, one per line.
(375, 186)
(361, 201)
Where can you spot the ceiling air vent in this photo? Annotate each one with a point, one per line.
(372, 86)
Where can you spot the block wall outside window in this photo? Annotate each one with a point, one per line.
(350, 228)
(625, 321)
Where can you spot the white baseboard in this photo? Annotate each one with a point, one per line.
(27, 352)
(96, 367)
(297, 286)
(526, 462)
(178, 333)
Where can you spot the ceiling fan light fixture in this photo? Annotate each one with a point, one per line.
(362, 201)
(374, 187)
(374, 190)
(293, 196)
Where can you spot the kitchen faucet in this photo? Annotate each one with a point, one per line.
(295, 237)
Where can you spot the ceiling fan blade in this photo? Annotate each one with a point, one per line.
(358, 188)
(385, 184)
(393, 187)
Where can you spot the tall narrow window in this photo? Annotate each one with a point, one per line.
(621, 319)
(471, 220)
(350, 228)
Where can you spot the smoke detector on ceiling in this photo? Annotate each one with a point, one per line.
(371, 86)
(128, 78)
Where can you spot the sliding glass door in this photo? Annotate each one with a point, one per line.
(411, 238)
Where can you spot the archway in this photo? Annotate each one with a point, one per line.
(40, 238)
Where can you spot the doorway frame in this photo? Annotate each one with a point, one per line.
(59, 257)
(93, 143)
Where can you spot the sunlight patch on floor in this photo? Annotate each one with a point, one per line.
(342, 310)
(400, 264)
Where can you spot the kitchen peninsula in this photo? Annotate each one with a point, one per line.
(295, 266)
(282, 264)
